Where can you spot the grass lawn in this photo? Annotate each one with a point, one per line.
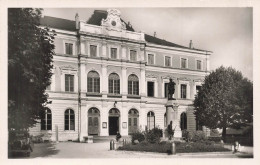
(180, 147)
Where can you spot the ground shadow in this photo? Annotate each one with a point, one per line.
(40, 150)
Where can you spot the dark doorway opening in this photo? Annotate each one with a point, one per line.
(113, 125)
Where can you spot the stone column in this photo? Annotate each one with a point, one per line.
(83, 120)
(104, 118)
(124, 54)
(104, 49)
(142, 83)
(83, 77)
(124, 82)
(104, 81)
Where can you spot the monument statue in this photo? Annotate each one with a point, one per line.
(171, 90)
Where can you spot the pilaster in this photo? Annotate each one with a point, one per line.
(124, 81)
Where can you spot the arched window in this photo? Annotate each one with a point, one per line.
(46, 121)
(150, 120)
(183, 121)
(133, 121)
(93, 121)
(133, 85)
(114, 84)
(93, 82)
(69, 119)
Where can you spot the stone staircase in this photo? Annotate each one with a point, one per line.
(103, 139)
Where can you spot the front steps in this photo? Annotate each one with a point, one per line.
(102, 139)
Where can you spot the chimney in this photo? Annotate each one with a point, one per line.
(154, 34)
(191, 44)
(77, 20)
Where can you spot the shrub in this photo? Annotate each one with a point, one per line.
(215, 139)
(144, 143)
(197, 136)
(208, 142)
(185, 135)
(163, 142)
(154, 135)
(138, 136)
(214, 133)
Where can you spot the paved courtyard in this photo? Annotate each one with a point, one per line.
(101, 150)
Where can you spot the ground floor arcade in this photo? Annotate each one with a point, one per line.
(65, 120)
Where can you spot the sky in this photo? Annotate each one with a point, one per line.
(227, 32)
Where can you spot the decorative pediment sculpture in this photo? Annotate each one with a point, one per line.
(113, 21)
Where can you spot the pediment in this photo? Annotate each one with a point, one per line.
(113, 21)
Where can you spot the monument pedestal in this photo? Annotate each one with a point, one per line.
(172, 115)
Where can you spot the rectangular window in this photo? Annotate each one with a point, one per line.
(114, 53)
(69, 83)
(133, 55)
(150, 59)
(183, 91)
(198, 64)
(198, 88)
(150, 89)
(166, 89)
(167, 61)
(69, 48)
(183, 63)
(93, 51)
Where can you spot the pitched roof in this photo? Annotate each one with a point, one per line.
(95, 19)
(159, 41)
(58, 23)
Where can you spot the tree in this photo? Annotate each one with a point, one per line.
(30, 53)
(225, 100)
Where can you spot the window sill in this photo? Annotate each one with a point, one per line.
(134, 96)
(46, 130)
(115, 95)
(94, 94)
(68, 92)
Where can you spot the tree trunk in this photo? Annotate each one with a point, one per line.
(224, 131)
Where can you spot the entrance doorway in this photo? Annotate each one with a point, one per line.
(113, 121)
(93, 121)
(113, 125)
(133, 121)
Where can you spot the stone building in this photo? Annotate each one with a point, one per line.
(108, 78)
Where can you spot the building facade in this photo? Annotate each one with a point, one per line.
(108, 78)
